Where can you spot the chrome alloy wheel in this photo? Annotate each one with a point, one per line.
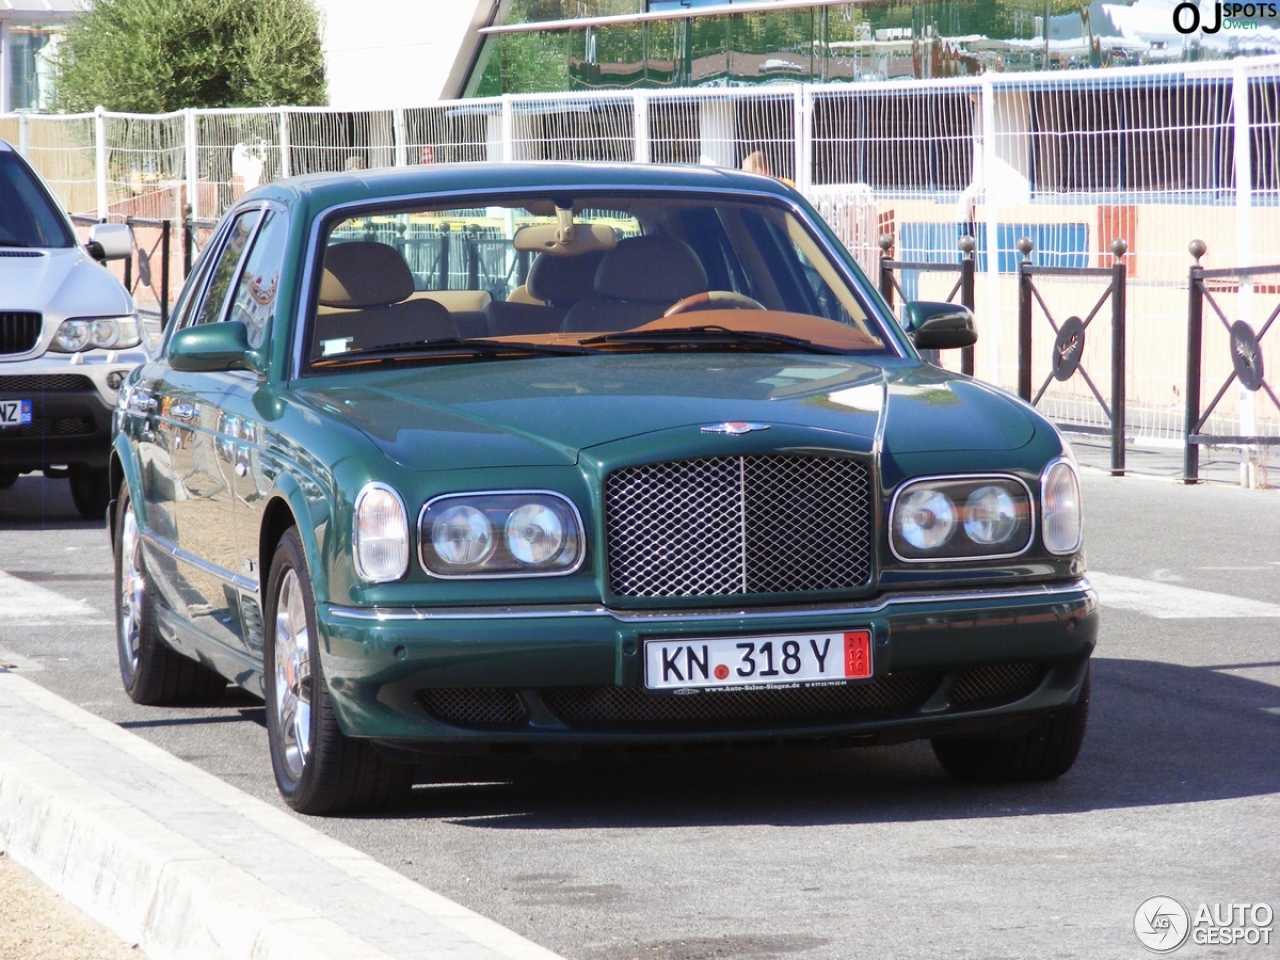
(133, 588)
(292, 676)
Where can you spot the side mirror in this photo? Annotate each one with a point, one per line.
(110, 241)
(213, 346)
(938, 326)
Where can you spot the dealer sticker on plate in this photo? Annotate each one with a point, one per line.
(15, 413)
(732, 663)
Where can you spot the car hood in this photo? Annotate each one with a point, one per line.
(60, 283)
(542, 412)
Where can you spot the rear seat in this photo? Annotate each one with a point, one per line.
(559, 282)
(365, 303)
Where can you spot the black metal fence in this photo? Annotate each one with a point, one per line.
(139, 267)
(965, 267)
(1246, 357)
(1069, 338)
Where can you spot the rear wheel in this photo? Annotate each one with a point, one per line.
(318, 769)
(91, 491)
(153, 673)
(1045, 752)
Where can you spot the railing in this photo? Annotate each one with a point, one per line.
(1065, 360)
(1247, 364)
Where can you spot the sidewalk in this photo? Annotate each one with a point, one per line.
(182, 864)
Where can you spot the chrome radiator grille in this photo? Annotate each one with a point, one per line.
(735, 525)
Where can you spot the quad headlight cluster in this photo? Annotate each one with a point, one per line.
(961, 518)
(510, 534)
(519, 533)
(984, 517)
(96, 333)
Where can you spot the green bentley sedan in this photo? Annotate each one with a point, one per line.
(521, 458)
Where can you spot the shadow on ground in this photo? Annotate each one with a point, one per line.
(1159, 734)
(36, 503)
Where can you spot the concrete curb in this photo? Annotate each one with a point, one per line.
(187, 866)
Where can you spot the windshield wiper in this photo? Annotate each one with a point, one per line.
(14, 243)
(450, 346)
(711, 335)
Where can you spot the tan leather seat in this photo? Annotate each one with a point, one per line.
(557, 283)
(636, 282)
(365, 293)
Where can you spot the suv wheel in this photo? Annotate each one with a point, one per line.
(91, 491)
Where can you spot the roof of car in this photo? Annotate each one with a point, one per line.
(322, 190)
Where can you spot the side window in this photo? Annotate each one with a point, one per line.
(223, 270)
(255, 301)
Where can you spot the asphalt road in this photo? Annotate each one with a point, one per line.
(824, 855)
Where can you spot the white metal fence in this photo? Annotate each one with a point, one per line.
(1071, 159)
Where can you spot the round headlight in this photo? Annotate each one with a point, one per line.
(381, 535)
(1060, 506)
(104, 333)
(992, 516)
(535, 533)
(926, 519)
(72, 336)
(462, 536)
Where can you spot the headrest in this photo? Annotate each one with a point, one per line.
(364, 273)
(564, 279)
(652, 269)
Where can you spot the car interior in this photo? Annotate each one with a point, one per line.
(549, 268)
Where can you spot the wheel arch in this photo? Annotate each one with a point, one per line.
(289, 507)
(122, 470)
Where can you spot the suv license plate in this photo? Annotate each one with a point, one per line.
(15, 413)
(732, 663)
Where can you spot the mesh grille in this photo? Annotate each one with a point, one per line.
(726, 525)
(43, 427)
(65, 382)
(473, 707)
(1001, 682)
(18, 332)
(597, 706)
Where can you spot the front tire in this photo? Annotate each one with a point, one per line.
(153, 673)
(318, 769)
(1045, 752)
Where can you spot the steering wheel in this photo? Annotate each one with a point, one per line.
(714, 300)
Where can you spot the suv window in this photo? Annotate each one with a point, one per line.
(28, 216)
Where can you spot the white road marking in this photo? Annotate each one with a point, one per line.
(22, 602)
(1168, 602)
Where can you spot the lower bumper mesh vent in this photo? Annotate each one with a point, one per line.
(999, 683)
(598, 707)
(473, 707)
(42, 427)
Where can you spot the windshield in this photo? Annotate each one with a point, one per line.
(582, 274)
(28, 217)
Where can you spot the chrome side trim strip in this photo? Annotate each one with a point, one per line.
(1038, 592)
(175, 551)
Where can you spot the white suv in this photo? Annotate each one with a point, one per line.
(69, 334)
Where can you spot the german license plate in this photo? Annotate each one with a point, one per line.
(733, 663)
(15, 413)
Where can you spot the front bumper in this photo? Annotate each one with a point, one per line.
(71, 408)
(507, 678)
